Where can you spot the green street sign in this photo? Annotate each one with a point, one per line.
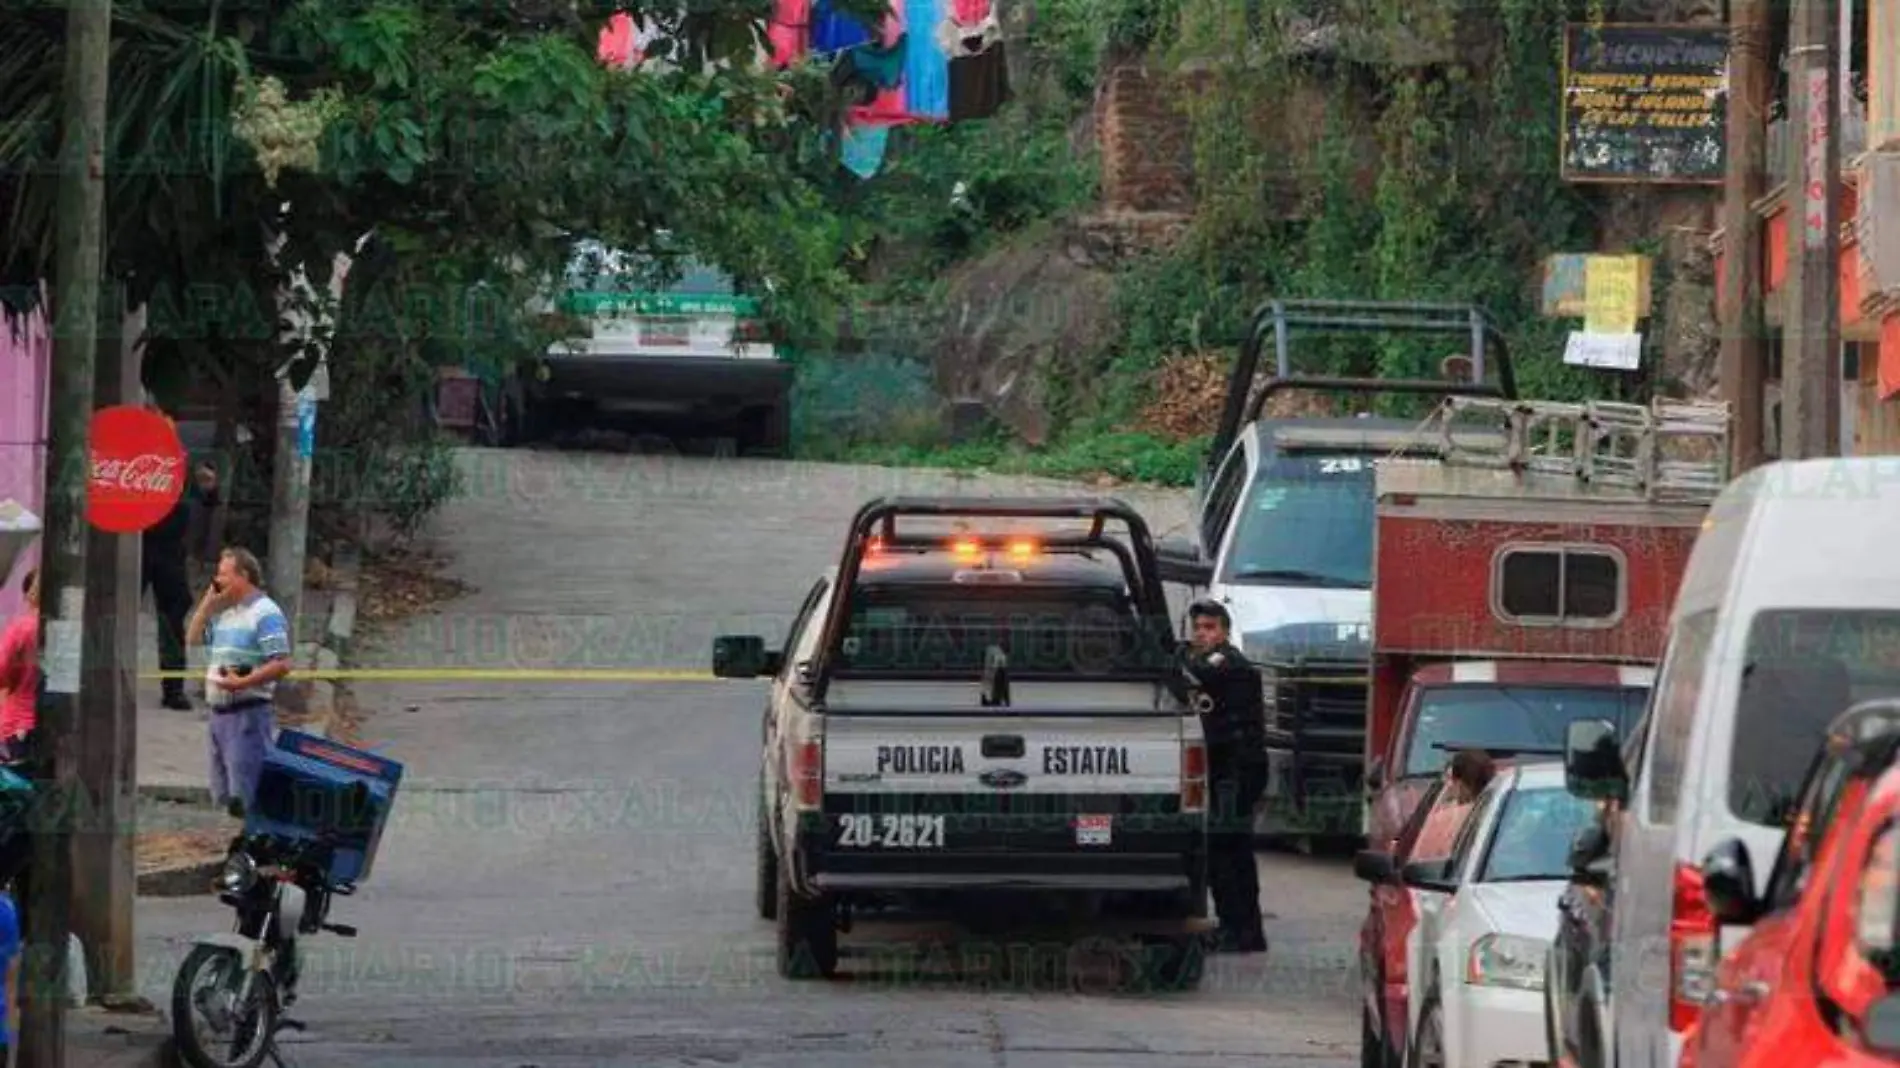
(604, 304)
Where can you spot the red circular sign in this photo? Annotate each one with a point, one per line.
(138, 469)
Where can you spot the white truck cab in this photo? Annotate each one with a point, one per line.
(1282, 536)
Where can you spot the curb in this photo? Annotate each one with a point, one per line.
(192, 880)
(175, 793)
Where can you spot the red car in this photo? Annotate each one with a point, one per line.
(1506, 707)
(1816, 982)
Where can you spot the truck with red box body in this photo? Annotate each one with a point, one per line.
(1518, 588)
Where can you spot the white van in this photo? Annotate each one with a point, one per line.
(1789, 612)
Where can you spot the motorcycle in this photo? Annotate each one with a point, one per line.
(237, 985)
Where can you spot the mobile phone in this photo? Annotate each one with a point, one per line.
(217, 586)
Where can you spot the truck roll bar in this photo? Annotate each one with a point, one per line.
(878, 519)
(1280, 317)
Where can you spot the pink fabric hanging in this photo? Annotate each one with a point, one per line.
(971, 11)
(616, 41)
(789, 31)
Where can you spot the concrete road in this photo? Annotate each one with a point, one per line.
(568, 879)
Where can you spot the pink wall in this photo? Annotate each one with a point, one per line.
(25, 356)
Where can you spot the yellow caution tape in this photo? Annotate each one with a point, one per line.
(473, 675)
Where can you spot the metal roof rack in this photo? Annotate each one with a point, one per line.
(1668, 450)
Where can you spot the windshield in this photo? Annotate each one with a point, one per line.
(1306, 521)
(1802, 668)
(933, 629)
(1534, 833)
(1473, 715)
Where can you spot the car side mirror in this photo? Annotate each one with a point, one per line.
(1372, 866)
(1593, 761)
(1180, 561)
(1427, 875)
(1375, 774)
(1589, 846)
(1882, 1028)
(743, 656)
(1728, 882)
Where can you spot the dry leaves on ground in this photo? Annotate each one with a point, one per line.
(1190, 389)
(166, 850)
(399, 583)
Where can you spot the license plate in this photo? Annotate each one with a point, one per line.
(889, 831)
(1094, 830)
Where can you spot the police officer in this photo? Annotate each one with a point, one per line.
(1233, 717)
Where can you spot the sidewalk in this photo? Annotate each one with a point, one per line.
(96, 1038)
(171, 744)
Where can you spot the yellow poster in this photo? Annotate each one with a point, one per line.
(1612, 293)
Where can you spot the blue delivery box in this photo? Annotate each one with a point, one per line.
(312, 786)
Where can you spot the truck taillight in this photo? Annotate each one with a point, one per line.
(808, 774)
(1692, 931)
(1194, 777)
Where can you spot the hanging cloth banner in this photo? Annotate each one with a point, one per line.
(862, 151)
(891, 105)
(926, 65)
(833, 32)
(791, 21)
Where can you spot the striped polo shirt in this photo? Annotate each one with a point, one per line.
(244, 635)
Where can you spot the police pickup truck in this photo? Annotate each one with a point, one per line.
(992, 717)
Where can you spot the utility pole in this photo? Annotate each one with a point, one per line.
(81, 236)
(1811, 366)
(1743, 357)
(290, 499)
(105, 870)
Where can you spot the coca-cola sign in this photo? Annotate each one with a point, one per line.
(138, 469)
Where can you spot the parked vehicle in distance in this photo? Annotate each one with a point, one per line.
(694, 356)
(1823, 950)
(1469, 884)
(1500, 706)
(1547, 571)
(1577, 1020)
(1478, 959)
(1282, 535)
(1786, 617)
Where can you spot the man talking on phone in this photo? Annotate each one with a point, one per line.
(247, 642)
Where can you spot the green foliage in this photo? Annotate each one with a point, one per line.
(411, 482)
(844, 404)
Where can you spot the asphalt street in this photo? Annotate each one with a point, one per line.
(568, 877)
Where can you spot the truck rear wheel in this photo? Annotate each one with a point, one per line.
(768, 431)
(807, 933)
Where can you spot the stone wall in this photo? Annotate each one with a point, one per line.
(1146, 141)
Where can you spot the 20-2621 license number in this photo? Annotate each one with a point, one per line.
(889, 831)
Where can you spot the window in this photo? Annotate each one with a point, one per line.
(1812, 817)
(1462, 846)
(1535, 830)
(802, 622)
(1565, 585)
(1484, 716)
(936, 629)
(1802, 668)
(1439, 834)
(1306, 520)
(1678, 687)
(1220, 499)
(1877, 901)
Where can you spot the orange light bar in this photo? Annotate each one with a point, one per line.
(967, 549)
(1021, 550)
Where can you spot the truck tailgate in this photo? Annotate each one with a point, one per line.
(986, 800)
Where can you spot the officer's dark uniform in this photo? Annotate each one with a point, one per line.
(162, 561)
(1237, 775)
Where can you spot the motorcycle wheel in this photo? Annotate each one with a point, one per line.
(213, 1003)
